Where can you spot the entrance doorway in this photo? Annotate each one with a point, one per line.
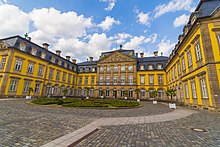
(114, 93)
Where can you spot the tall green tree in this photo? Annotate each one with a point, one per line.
(171, 92)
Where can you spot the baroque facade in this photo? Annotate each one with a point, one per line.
(193, 67)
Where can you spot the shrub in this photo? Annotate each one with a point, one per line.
(60, 102)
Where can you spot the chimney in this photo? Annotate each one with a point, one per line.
(68, 58)
(142, 55)
(74, 61)
(45, 45)
(58, 52)
(120, 46)
(137, 55)
(155, 53)
(90, 58)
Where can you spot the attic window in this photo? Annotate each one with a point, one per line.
(81, 69)
(34, 51)
(150, 67)
(159, 66)
(142, 67)
(22, 46)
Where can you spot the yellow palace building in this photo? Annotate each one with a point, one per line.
(192, 69)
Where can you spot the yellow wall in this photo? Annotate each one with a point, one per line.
(89, 75)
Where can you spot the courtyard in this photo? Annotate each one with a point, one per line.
(22, 124)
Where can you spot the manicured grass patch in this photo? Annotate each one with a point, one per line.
(74, 102)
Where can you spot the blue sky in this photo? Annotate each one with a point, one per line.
(83, 28)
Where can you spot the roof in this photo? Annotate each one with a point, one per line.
(123, 51)
(87, 63)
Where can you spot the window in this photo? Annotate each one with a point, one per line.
(91, 92)
(80, 80)
(150, 67)
(187, 90)
(92, 80)
(86, 80)
(18, 65)
(161, 93)
(130, 80)
(179, 68)
(107, 92)
(122, 80)
(193, 89)
(64, 77)
(108, 69)
(100, 92)
(34, 51)
(142, 79)
(30, 68)
(141, 67)
(151, 79)
(37, 88)
(159, 66)
(101, 69)
(26, 86)
(160, 79)
(81, 69)
(183, 64)
(130, 93)
(40, 70)
(122, 68)
(204, 89)
(142, 93)
(130, 68)
(69, 78)
(198, 52)
(22, 47)
(13, 85)
(189, 59)
(3, 62)
(108, 80)
(122, 93)
(101, 80)
(93, 69)
(174, 72)
(115, 80)
(115, 68)
(218, 37)
(58, 76)
(51, 73)
(79, 92)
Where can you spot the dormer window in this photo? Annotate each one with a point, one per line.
(159, 66)
(22, 46)
(43, 55)
(87, 69)
(60, 62)
(101, 69)
(65, 64)
(81, 69)
(34, 51)
(193, 19)
(93, 69)
(52, 59)
(150, 67)
(142, 67)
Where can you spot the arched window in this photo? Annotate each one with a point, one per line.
(159, 66)
(150, 67)
(142, 67)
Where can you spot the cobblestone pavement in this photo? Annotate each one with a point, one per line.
(171, 133)
(30, 125)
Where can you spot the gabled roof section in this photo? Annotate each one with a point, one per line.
(123, 51)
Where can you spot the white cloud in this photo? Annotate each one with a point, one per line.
(165, 46)
(121, 38)
(13, 21)
(51, 24)
(111, 4)
(3, 2)
(108, 23)
(143, 18)
(181, 20)
(174, 5)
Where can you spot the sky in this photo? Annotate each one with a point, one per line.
(84, 28)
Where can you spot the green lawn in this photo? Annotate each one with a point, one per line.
(76, 102)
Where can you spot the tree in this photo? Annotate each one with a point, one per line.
(153, 94)
(137, 91)
(30, 89)
(171, 92)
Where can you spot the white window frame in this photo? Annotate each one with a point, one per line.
(115, 68)
(40, 70)
(189, 55)
(3, 62)
(150, 67)
(108, 69)
(142, 79)
(58, 75)
(159, 66)
(130, 93)
(204, 88)
(160, 79)
(122, 68)
(130, 80)
(107, 92)
(108, 80)
(142, 67)
(30, 69)
(151, 79)
(26, 86)
(51, 73)
(193, 86)
(198, 52)
(183, 63)
(130, 67)
(101, 80)
(37, 88)
(13, 85)
(18, 65)
(115, 80)
(101, 69)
